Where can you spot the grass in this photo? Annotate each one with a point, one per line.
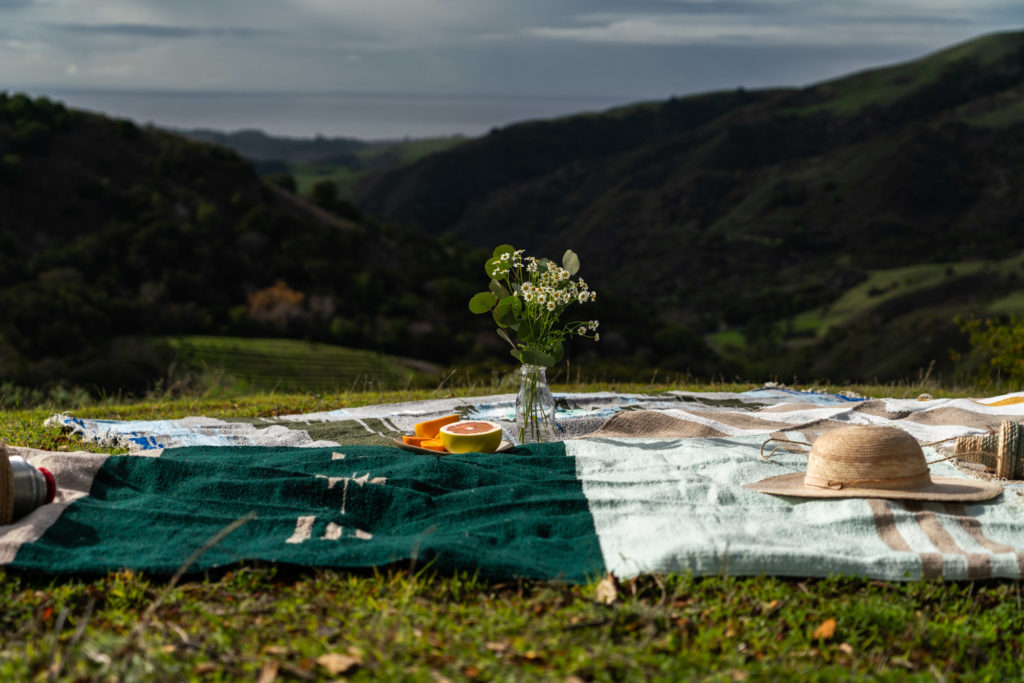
(370, 158)
(292, 365)
(884, 285)
(727, 340)
(306, 175)
(852, 94)
(260, 622)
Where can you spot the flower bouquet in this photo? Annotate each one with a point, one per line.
(527, 297)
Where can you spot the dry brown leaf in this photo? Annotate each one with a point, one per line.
(846, 648)
(901, 662)
(269, 672)
(205, 668)
(336, 663)
(826, 630)
(607, 590)
(738, 675)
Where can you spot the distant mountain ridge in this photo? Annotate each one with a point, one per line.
(743, 210)
(256, 145)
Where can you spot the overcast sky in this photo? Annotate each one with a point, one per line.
(611, 49)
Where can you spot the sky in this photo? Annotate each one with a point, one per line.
(577, 51)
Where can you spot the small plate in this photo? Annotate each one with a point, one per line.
(503, 446)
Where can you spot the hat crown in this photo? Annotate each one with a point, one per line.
(883, 457)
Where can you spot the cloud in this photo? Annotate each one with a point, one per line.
(162, 31)
(677, 22)
(628, 48)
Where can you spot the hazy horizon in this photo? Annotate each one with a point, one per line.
(362, 115)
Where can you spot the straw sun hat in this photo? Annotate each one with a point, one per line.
(872, 462)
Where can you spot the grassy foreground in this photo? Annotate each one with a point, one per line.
(268, 623)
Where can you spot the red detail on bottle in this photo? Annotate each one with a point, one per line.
(51, 485)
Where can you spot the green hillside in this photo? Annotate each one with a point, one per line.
(761, 219)
(287, 365)
(345, 161)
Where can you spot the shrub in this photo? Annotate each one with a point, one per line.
(1000, 345)
(277, 305)
(32, 136)
(10, 167)
(285, 181)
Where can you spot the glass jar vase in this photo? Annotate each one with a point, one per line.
(535, 407)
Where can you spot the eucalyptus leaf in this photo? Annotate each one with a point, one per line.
(557, 351)
(503, 249)
(505, 312)
(482, 302)
(527, 330)
(496, 264)
(571, 262)
(504, 335)
(536, 357)
(515, 302)
(498, 289)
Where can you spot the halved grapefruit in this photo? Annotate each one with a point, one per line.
(471, 436)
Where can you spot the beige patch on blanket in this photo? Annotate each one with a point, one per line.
(651, 424)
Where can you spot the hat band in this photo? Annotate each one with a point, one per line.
(914, 481)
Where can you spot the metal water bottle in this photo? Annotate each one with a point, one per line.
(27, 487)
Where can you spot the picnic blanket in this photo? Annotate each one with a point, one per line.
(640, 484)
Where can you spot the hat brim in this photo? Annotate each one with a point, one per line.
(6, 488)
(940, 489)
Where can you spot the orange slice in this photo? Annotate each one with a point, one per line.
(430, 428)
(433, 444)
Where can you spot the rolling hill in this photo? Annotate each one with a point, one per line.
(111, 233)
(750, 215)
(345, 161)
